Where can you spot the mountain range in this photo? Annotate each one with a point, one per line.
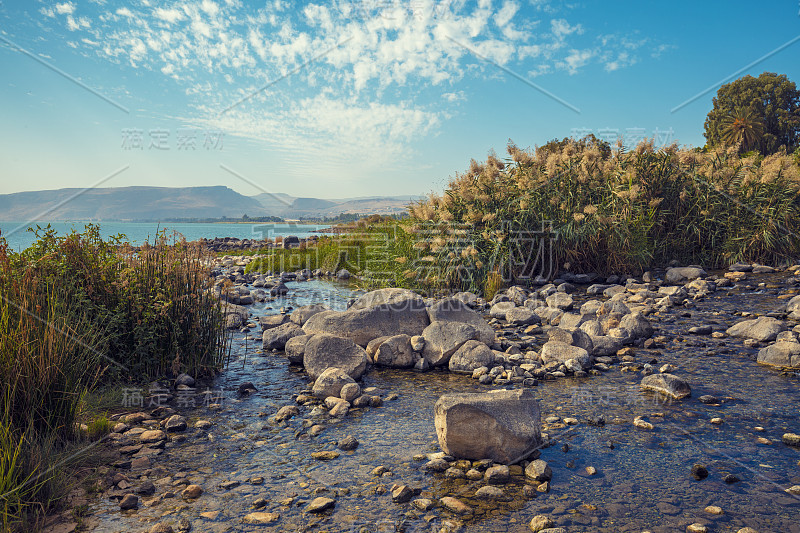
(159, 203)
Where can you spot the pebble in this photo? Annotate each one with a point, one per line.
(455, 505)
(320, 504)
(348, 444)
(791, 439)
(327, 455)
(540, 522)
(713, 509)
(129, 501)
(696, 528)
(590, 470)
(261, 518)
(192, 492)
(699, 472)
(716, 421)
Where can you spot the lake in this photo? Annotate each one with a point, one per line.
(19, 238)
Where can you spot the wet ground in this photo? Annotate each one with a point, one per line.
(643, 479)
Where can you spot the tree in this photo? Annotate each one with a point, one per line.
(742, 128)
(764, 111)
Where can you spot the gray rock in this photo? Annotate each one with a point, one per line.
(637, 325)
(330, 383)
(395, 352)
(455, 310)
(321, 503)
(442, 339)
(491, 493)
(538, 470)
(129, 501)
(605, 345)
(678, 275)
(522, 316)
(762, 329)
(497, 475)
(559, 300)
(500, 309)
(276, 338)
(667, 384)
(503, 426)
(272, 321)
(376, 314)
(296, 348)
(781, 354)
(350, 391)
(471, 355)
(793, 308)
(175, 423)
(325, 351)
(301, 315)
(560, 352)
(184, 379)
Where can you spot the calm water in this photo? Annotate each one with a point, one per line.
(19, 238)
(643, 480)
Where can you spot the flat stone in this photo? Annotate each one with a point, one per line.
(320, 504)
(261, 518)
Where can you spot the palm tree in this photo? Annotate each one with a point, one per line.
(742, 127)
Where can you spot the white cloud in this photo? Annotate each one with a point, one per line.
(576, 59)
(170, 16)
(72, 24)
(67, 8)
(124, 12)
(458, 96)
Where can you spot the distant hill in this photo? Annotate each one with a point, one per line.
(127, 203)
(159, 203)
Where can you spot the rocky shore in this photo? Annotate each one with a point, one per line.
(494, 436)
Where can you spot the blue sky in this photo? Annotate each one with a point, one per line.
(353, 98)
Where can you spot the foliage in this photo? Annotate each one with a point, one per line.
(74, 311)
(771, 100)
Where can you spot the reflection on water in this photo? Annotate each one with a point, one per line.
(643, 479)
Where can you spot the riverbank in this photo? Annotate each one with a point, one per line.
(620, 458)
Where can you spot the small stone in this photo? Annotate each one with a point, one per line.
(497, 475)
(730, 478)
(348, 444)
(699, 472)
(490, 493)
(540, 522)
(791, 439)
(175, 423)
(696, 528)
(202, 424)
(327, 455)
(423, 504)
(191, 492)
(402, 494)
(716, 421)
(455, 505)
(261, 518)
(713, 509)
(707, 398)
(161, 528)
(210, 515)
(763, 440)
(259, 503)
(474, 475)
(129, 501)
(152, 435)
(794, 490)
(590, 470)
(747, 530)
(379, 471)
(320, 504)
(538, 470)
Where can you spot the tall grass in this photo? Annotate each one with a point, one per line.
(579, 203)
(79, 312)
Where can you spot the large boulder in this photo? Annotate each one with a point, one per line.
(562, 352)
(683, 274)
(781, 354)
(325, 351)
(503, 426)
(395, 352)
(667, 384)
(471, 355)
(296, 348)
(301, 315)
(793, 308)
(330, 383)
(637, 325)
(762, 329)
(276, 338)
(559, 300)
(500, 309)
(375, 314)
(456, 310)
(442, 339)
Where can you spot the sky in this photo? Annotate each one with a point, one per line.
(355, 97)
